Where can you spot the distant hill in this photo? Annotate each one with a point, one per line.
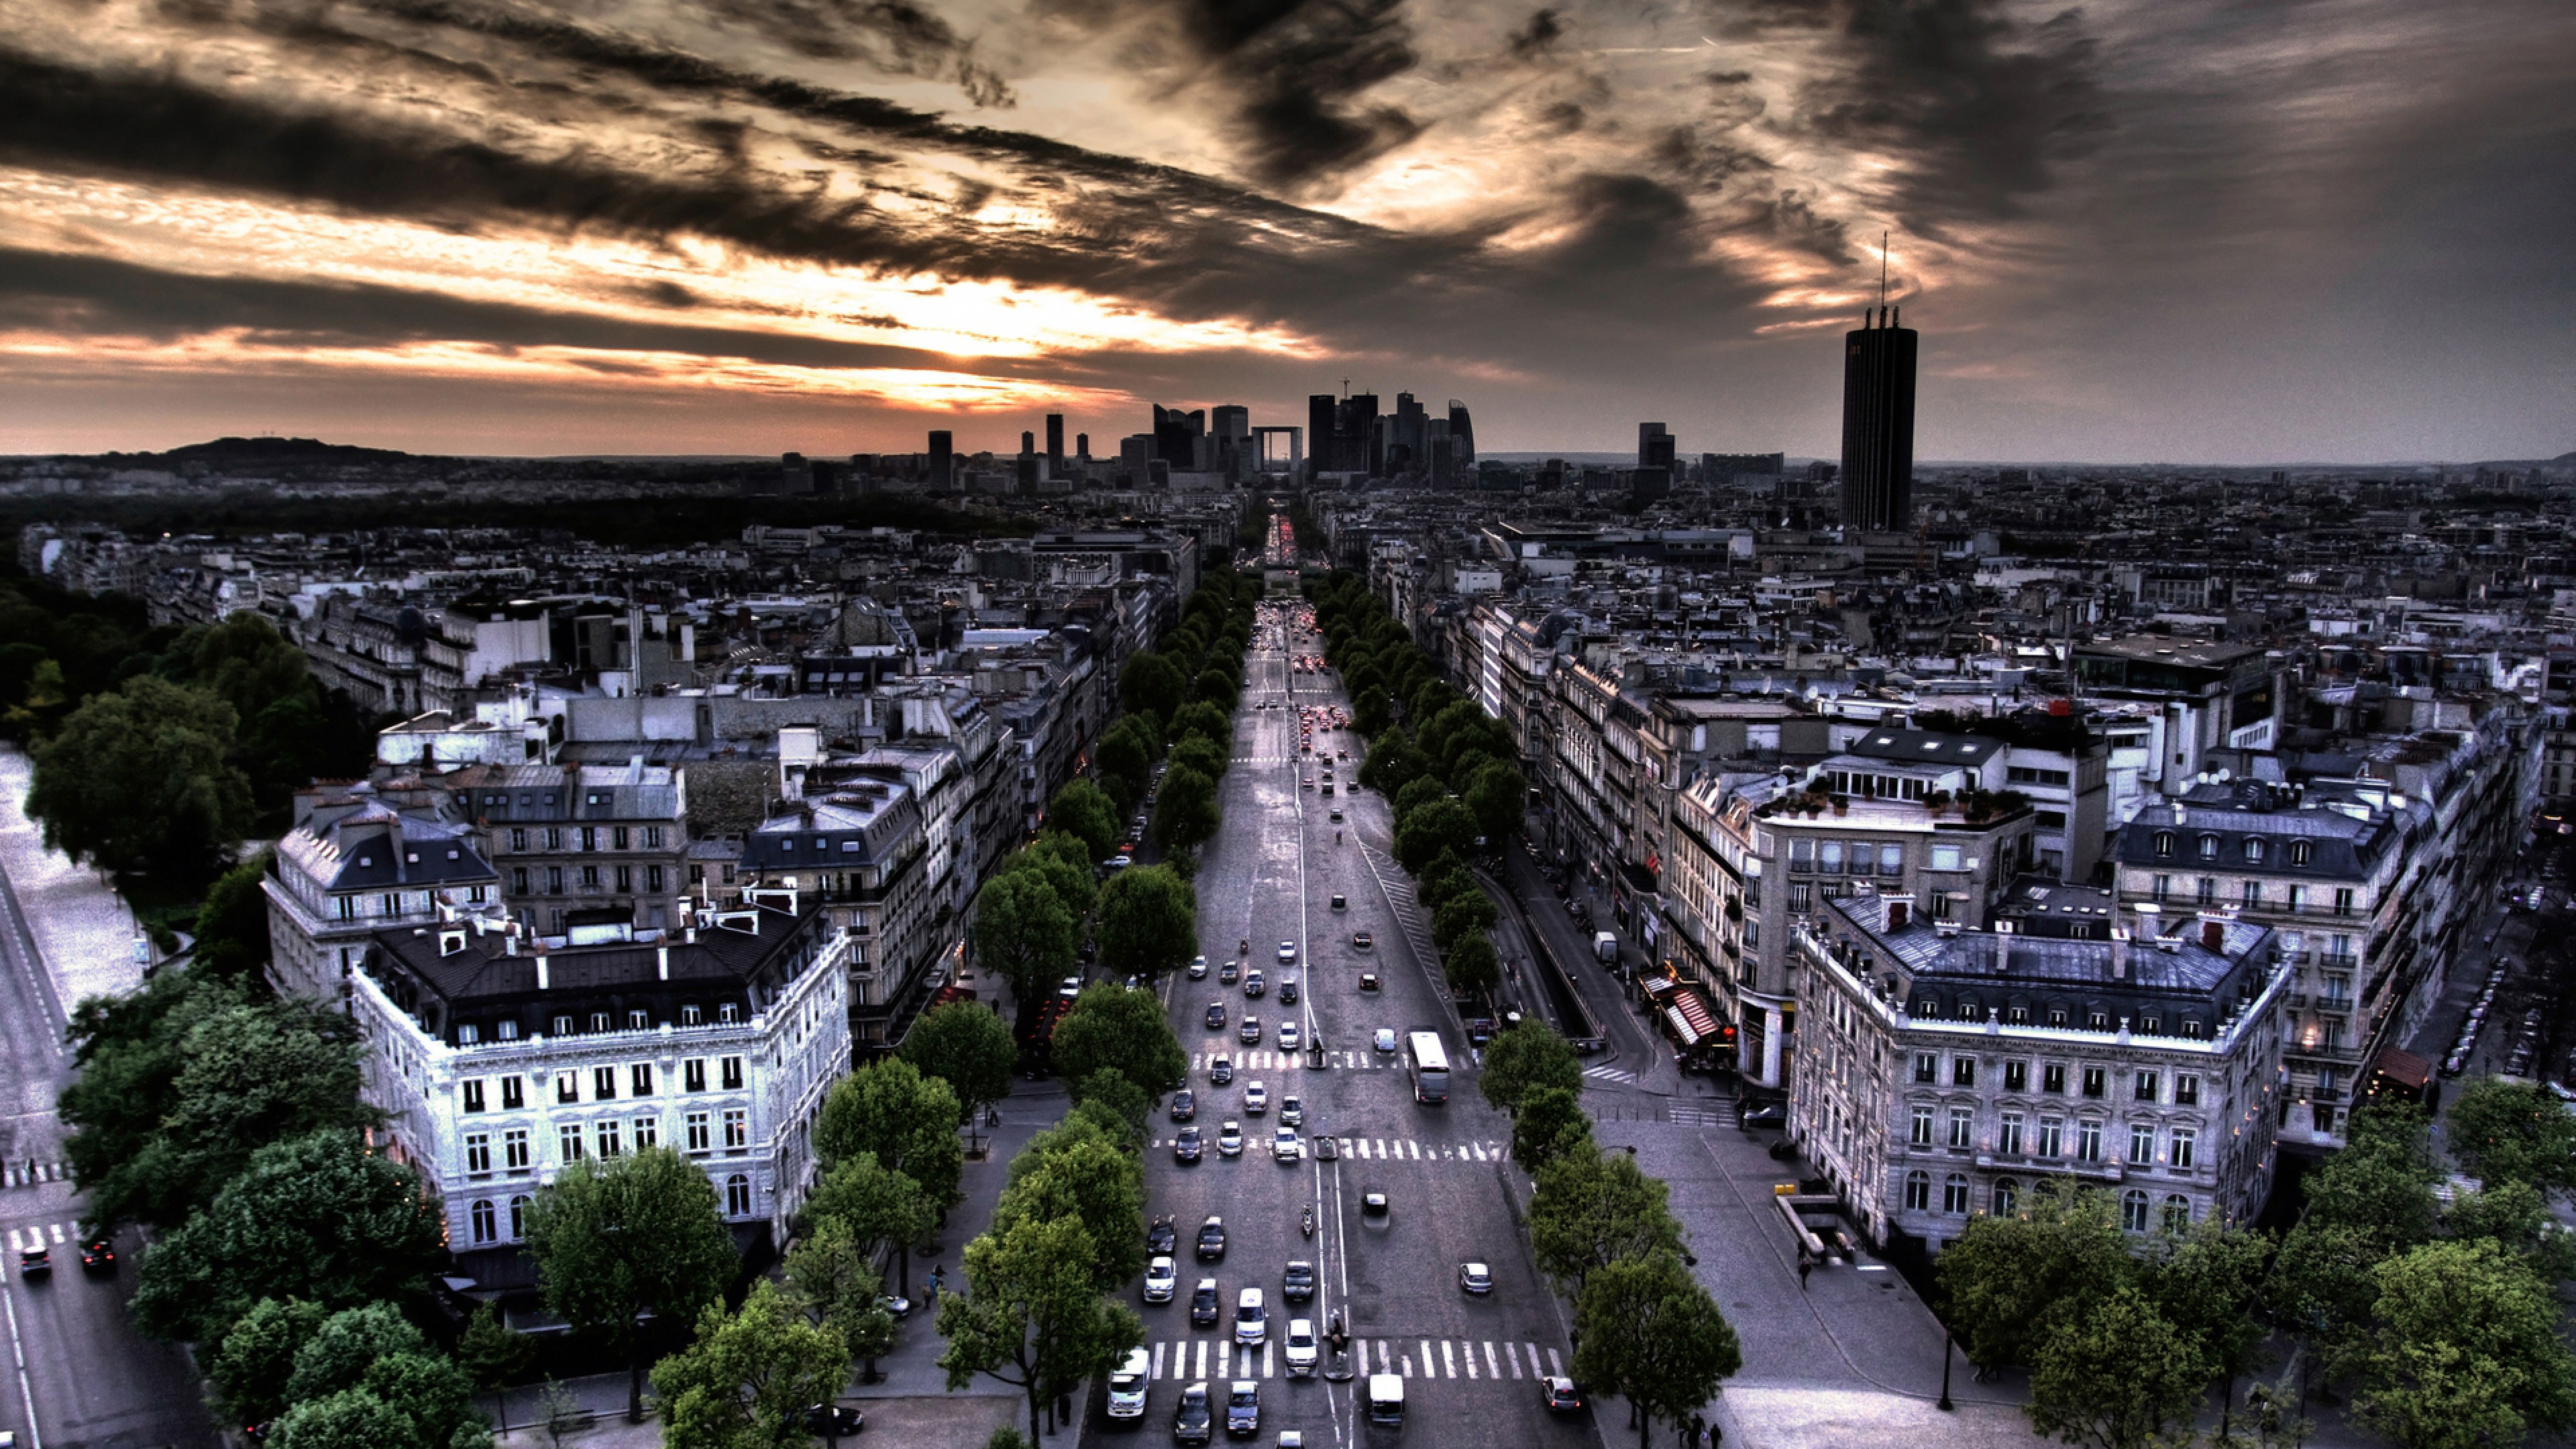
(279, 450)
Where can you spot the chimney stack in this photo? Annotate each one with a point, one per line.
(2213, 937)
(2119, 954)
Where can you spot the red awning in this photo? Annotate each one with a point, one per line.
(2404, 1068)
(1693, 1010)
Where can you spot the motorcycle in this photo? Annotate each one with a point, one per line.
(1244, 947)
(1306, 1221)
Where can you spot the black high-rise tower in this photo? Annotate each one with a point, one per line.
(1878, 426)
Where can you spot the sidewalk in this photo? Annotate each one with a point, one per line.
(964, 1420)
(81, 927)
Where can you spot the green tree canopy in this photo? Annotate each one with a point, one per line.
(1392, 762)
(1148, 920)
(2467, 1350)
(1549, 1124)
(2003, 1277)
(1150, 684)
(1499, 797)
(1185, 815)
(966, 1046)
(1122, 757)
(1651, 1334)
(1111, 1104)
(2112, 1373)
(1064, 864)
(744, 1382)
(337, 1354)
(1418, 793)
(639, 1234)
(317, 1217)
(252, 1365)
(232, 924)
(491, 1352)
(908, 1120)
(1216, 685)
(1592, 1209)
(1527, 1057)
(1202, 720)
(875, 1205)
(833, 1275)
(144, 776)
(1032, 1316)
(1114, 1028)
(1081, 810)
(1199, 753)
(1438, 826)
(1471, 966)
(2506, 1131)
(1079, 1173)
(1462, 916)
(2207, 1282)
(1022, 930)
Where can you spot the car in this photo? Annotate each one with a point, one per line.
(1253, 982)
(1368, 981)
(1340, 903)
(1229, 1140)
(1070, 986)
(1229, 973)
(1216, 1016)
(1308, 783)
(1205, 1305)
(1561, 1395)
(1287, 953)
(1292, 1112)
(1297, 1281)
(1191, 1420)
(1250, 1035)
(836, 1420)
(895, 1305)
(1288, 1036)
(1287, 991)
(1476, 1278)
(98, 1256)
(1162, 1237)
(1362, 941)
(1328, 1148)
(1162, 1279)
(1127, 1386)
(1243, 1408)
(1189, 1146)
(1301, 1348)
(1256, 1099)
(1385, 1039)
(35, 1263)
(1212, 1239)
(1337, 815)
(1198, 968)
(1121, 861)
(1373, 1205)
(1220, 1071)
(1251, 1316)
(1774, 1115)
(1185, 1105)
(1286, 1147)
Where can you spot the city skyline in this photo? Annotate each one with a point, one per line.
(2188, 234)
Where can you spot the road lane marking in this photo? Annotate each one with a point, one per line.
(1158, 1358)
(1555, 1365)
(1426, 1358)
(1448, 1356)
(1202, 1360)
(1413, 1149)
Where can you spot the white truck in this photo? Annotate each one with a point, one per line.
(1605, 947)
(1386, 1401)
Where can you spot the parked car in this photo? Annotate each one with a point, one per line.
(834, 1420)
(1773, 1115)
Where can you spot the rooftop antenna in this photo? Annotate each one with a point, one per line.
(1882, 278)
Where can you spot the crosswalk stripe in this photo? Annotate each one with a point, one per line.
(58, 1232)
(1470, 1355)
(1448, 1358)
(1426, 1358)
(1555, 1365)
(1266, 1371)
(1202, 1373)
(1413, 1149)
(1535, 1371)
(1157, 1370)
(1491, 1371)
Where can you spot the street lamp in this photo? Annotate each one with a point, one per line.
(1945, 1405)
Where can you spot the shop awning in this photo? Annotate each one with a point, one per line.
(1680, 1023)
(2405, 1068)
(1694, 1010)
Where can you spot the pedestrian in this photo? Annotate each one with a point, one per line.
(936, 1275)
(1806, 1265)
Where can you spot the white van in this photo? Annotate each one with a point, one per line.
(1251, 1320)
(1386, 1401)
(1127, 1386)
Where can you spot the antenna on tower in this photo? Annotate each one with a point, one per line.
(1882, 270)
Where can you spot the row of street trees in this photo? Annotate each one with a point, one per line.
(1601, 1230)
(2441, 1319)
(1449, 777)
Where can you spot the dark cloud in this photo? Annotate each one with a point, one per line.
(1977, 108)
(894, 36)
(1562, 118)
(1537, 37)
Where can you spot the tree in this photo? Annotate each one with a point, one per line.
(1076, 1172)
(317, 1217)
(492, 1353)
(1185, 815)
(833, 1278)
(2466, 1352)
(2003, 1277)
(1593, 1209)
(1438, 826)
(1199, 753)
(2516, 1217)
(1460, 917)
(1417, 793)
(907, 1120)
(1123, 757)
(1499, 796)
(2503, 1131)
(1472, 967)
(337, 1354)
(2382, 1181)
(1113, 1028)
(1215, 686)
(143, 776)
(2114, 1374)
(257, 1356)
(1032, 1316)
(1549, 1124)
(1148, 920)
(874, 1204)
(1150, 684)
(1526, 1057)
(1651, 1334)
(967, 1047)
(232, 924)
(1392, 762)
(1080, 810)
(1107, 1100)
(1064, 863)
(1202, 720)
(639, 1234)
(2322, 1290)
(2205, 1281)
(744, 1382)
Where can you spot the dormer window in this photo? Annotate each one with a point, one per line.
(2301, 851)
(2253, 852)
(2209, 847)
(467, 1034)
(509, 1029)
(2164, 842)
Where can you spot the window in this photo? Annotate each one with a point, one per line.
(554, 880)
(1963, 1127)
(2096, 1019)
(620, 836)
(693, 1075)
(737, 1129)
(563, 1026)
(2343, 900)
(2209, 847)
(478, 1152)
(697, 1137)
(1963, 1071)
(473, 1095)
(554, 837)
(519, 1216)
(2148, 1083)
(2296, 899)
(640, 1078)
(2057, 1017)
(690, 1015)
(2008, 1135)
(737, 1196)
(2016, 1076)
(514, 1153)
(518, 842)
(2251, 896)
(590, 877)
(611, 1138)
(652, 837)
(1922, 1127)
(1802, 857)
(2186, 1149)
(568, 1141)
(2133, 1211)
(728, 1012)
(487, 1225)
(2302, 851)
(590, 837)
(2007, 1197)
(653, 879)
(1829, 857)
(1918, 1192)
(1801, 896)
(2164, 843)
(2177, 1213)
(1938, 903)
(2052, 1137)
(1891, 860)
(2163, 888)
(2186, 1084)
(2205, 891)
(732, 1069)
(1943, 857)
(510, 1029)
(603, 1084)
(2017, 1014)
(2096, 1082)
(648, 1133)
(626, 877)
(567, 1088)
(1927, 1067)
(2142, 1144)
(346, 907)
(2052, 1078)
(2088, 1141)
(1954, 1194)
(514, 1094)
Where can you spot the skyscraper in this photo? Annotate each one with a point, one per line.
(1878, 426)
(1323, 440)
(1055, 445)
(1462, 434)
(1654, 447)
(943, 456)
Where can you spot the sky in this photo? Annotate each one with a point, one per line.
(2143, 231)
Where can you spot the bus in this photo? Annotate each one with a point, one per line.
(1429, 1065)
